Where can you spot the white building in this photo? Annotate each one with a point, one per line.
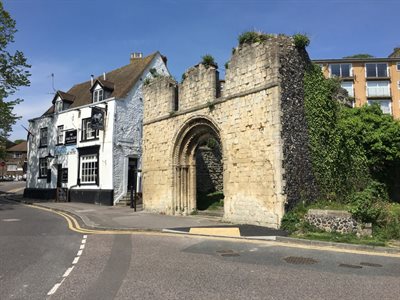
(94, 166)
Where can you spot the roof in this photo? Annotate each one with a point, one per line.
(64, 96)
(21, 147)
(357, 60)
(119, 81)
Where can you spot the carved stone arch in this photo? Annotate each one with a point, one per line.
(193, 133)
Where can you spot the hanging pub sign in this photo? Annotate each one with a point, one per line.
(70, 137)
(97, 120)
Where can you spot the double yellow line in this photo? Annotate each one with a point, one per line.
(74, 225)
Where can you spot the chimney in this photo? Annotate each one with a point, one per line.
(395, 53)
(91, 80)
(104, 75)
(136, 55)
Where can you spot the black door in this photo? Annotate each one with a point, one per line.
(132, 173)
(59, 175)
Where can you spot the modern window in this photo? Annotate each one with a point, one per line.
(43, 167)
(385, 105)
(87, 132)
(59, 106)
(378, 89)
(348, 86)
(60, 134)
(88, 169)
(398, 66)
(376, 70)
(340, 70)
(98, 95)
(43, 137)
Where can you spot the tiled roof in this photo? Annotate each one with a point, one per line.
(21, 147)
(120, 81)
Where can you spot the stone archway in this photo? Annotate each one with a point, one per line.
(194, 133)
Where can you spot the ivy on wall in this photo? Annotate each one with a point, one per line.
(339, 164)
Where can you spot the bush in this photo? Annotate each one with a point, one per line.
(301, 40)
(208, 61)
(368, 205)
(251, 37)
(293, 220)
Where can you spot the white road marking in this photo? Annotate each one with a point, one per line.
(82, 247)
(83, 241)
(55, 287)
(85, 236)
(11, 220)
(76, 259)
(69, 270)
(79, 253)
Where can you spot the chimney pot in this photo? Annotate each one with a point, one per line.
(91, 80)
(104, 75)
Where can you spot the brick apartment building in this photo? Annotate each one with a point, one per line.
(369, 80)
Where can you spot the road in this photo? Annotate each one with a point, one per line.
(36, 249)
(160, 266)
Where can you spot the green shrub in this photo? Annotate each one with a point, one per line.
(301, 40)
(292, 220)
(208, 61)
(368, 205)
(251, 37)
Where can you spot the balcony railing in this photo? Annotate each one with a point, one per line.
(378, 91)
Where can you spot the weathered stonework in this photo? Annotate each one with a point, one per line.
(263, 140)
(209, 170)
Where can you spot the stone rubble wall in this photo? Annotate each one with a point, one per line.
(337, 221)
(209, 170)
(332, 220)
(249, 118)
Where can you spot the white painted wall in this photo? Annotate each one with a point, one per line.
(128, 130)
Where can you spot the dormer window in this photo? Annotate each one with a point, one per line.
(59, 105)
(98, 95)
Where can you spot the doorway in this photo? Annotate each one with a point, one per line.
(132, 174)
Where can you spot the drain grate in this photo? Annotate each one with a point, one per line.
(227, 253)
(350, 266)
(298, 260)
(367, 264)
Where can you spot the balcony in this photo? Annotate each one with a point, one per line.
(378, 91)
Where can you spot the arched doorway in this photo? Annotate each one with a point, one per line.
(197, 137)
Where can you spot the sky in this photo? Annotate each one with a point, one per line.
(73, 39)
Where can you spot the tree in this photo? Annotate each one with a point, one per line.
(13, 74)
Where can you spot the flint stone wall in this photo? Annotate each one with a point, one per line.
(209, 170)
(332, 220)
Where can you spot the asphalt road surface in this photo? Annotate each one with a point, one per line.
(176, 267)
(36, 248)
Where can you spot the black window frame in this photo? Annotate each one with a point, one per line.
(41, 144)
(84, 128)
(341, 65)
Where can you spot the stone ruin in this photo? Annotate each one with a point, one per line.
(256, 116)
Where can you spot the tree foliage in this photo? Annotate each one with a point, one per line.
(350, 147)
(360, 55)
(13, 73)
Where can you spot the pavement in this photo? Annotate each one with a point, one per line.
(115, 218)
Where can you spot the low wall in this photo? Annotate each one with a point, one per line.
(336, 221)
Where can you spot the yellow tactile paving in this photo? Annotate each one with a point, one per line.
(218, 231)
